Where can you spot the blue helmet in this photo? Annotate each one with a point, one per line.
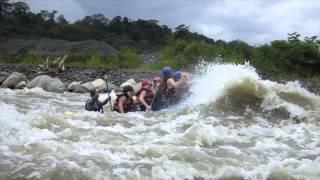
(166, 71)
(177, 75)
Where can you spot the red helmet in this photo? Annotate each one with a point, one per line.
(145, 82)
(157, 78)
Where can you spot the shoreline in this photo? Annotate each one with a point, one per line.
(80, 74)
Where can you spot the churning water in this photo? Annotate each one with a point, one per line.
(233, 126)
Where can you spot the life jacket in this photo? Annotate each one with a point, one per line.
(93, 106)
(149, 96)
(127, 105)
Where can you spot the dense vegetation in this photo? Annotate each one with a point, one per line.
(18, 21)
(296, 56)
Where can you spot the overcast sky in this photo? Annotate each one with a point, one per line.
(254, 21)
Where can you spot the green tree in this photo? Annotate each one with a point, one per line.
(313, 41)
(182, 32)
(293, 56)
(61, 20)
(293, 37)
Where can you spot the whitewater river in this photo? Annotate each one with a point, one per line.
(233, 126)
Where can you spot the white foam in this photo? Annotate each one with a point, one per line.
(209, 85)
(37, 139)
(215, 79)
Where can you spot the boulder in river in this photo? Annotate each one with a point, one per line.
(112, 87)
(84, 88)
(13, 80)
(80, 89)
(131, 82)
(72, 86)
(137, 87)
(47, 83)
(3, 76)
(99, 84)
(21, 85)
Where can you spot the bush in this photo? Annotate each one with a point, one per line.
(94, 61)
(288, 57)
(125, 59)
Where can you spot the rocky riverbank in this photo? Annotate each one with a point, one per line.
(77, 75)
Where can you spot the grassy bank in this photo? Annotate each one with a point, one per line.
(125, 59)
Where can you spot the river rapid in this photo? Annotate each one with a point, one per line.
(234, 125)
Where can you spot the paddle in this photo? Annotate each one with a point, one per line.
(156, 98)
(106, 79)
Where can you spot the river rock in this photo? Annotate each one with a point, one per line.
(99, 84)
(84, 88)
(137, 87)
(21, 85)
(72, 86)
(130, 82)
(13, 80)
(56, 85)
(112, 87)
(80, 89)
(47, 83)
(3, 76)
